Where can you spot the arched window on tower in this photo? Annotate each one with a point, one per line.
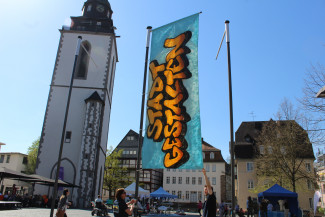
(83, 61)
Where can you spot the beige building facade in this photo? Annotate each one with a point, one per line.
(320, 169)
(188, 184)
(17, 162)
(247, 183)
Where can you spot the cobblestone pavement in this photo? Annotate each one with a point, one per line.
(36, 212)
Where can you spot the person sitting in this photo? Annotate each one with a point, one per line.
(99, 202)
(241, 212)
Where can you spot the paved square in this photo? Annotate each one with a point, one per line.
(33, 212)
(37, 212)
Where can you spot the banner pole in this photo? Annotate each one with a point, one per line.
(231, 124)
(54, 195)
(141, 119)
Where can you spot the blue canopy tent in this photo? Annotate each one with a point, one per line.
(161, 193)
(276, 192)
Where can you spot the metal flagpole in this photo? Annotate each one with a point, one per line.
(141, 118)
(54, 195)
(231, 124)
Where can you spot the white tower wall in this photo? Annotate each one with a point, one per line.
(100, 78)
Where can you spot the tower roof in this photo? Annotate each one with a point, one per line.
(96, 17)
(94, 97)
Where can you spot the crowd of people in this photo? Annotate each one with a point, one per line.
(253, 208)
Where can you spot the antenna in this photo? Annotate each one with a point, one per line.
(252, 114)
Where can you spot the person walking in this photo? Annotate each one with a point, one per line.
(210, 205)
(263, 208)
(199, 207)
(249, 206)
(120, 208)
(63, 204)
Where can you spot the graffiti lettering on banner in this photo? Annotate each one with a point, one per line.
(166, 113)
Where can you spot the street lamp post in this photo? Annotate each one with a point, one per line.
(54, 195)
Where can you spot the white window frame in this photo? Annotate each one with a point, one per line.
(211, 155)
(214, 167)
(180, 180)
(179, 194)
(249, 166)
(250, 184)
(187, 181)
(207, 168)
(167, 180)
(174, 180)
(262, 149)
(214, 180)
(193, 180)
(199, 180)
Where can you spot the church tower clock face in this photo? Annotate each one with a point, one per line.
(100, 8)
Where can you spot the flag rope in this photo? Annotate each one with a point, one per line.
(220, 44)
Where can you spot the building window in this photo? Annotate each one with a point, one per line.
(68, 136)
(200, 180)
(193, 180)
(249, 166)
(179, 195)
(207, 167)
(200, 195)
(214, 181)
(167, 180)
(187, 180)
(309, 185)
(173, 192)
(8, 159)
(174, 170)
(250, 184)
(214, 168)
(89, 8)
(180, 170)
(308, 168)
(261, 149)
(203, 155)
(83, 61)
(130, 138)
(179, 180)
(193, 170)
(187, 195)
(311, 204)
(168, 170)
(25, 160)
(2, 158)
(211, 155)
(174, 180)
(188, 170)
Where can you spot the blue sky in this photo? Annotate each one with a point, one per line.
(273, 43)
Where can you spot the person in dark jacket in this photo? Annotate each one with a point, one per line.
(63, 202)
(120, 208)
(210, 205)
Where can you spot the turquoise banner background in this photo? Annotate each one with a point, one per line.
(152, 154)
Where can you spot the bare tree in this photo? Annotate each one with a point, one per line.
(313, 106)
(286, 146)
(285, 149)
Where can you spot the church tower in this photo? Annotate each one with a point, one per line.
(85, 141)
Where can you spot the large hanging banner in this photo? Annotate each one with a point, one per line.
(173, 127)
